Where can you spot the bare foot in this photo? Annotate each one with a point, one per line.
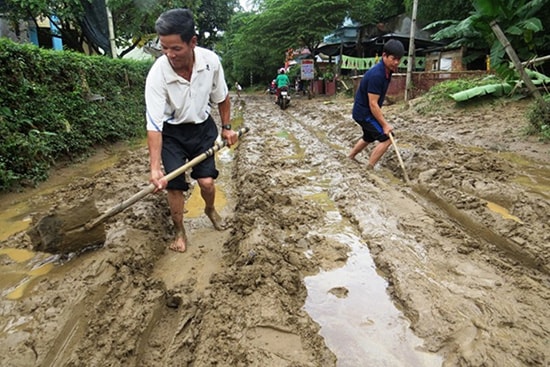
(353, 159)
(180, 243)
(215, 218)
(370, 167)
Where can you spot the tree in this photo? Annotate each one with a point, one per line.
(240, 57)
(431, 10)
(134, 25)
(519, 20)
(292, 23)
(374, 11)
(212, 20)
(259, 40)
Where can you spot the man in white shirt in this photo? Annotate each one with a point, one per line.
(180, 88)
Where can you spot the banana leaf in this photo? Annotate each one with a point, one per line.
(495, 89)
(537, 78)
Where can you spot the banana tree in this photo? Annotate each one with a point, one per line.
(519, 19)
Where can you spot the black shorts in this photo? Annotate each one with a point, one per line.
(181, 143)
(372, 130)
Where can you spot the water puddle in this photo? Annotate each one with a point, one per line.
(363, 327)
(358, 319)
(19, 268)
(17, 207)
(195, 204)
(300, 151)
(502, 211)
(359, 322)
(535, 177)
(14, 219)
(536, 180)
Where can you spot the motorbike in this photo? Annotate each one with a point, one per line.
(284, 98)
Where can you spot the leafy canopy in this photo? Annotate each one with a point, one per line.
(519, 19)
(133, 20)
(256, 44)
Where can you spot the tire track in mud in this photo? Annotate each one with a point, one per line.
(459, 287)
(250, 313)
(445, 279)
(321, 157)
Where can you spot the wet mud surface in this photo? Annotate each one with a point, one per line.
(464, 249)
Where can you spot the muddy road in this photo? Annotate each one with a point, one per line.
(462, 254)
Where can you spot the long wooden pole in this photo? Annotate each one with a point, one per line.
(149, 189)
(399, 158)
(517, 63)
(536, 60)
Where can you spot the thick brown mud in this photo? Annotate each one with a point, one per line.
(317, 245)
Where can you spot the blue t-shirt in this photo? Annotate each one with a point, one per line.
(375, 81)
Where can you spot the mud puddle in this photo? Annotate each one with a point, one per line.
(17, 207)
(359, 322)
(24, 266)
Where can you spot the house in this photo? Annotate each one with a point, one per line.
(354, 42)
(354, 48)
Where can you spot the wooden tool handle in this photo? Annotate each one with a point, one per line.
(399, 158)
(149, 189)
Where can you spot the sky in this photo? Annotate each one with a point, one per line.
(246, 4)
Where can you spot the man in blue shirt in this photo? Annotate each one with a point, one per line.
(367, 107)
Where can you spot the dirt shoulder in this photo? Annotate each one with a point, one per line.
(464, 248)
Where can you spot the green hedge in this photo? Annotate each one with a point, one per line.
(58, 105)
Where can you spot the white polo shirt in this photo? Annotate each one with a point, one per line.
(171, 99)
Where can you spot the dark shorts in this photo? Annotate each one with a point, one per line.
(372, 130)
(181, 143)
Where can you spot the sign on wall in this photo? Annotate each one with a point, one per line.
(307, 69)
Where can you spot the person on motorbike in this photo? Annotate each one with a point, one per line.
(282, 82)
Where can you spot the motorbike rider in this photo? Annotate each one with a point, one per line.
(273, 87)
(282, 82)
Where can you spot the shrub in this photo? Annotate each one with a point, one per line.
(57, 105)
(539, 118)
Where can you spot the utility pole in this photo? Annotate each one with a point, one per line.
(411, 60)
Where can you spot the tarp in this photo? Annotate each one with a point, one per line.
(95, 24)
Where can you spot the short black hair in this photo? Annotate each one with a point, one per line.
(394, 47)
(176, 21)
